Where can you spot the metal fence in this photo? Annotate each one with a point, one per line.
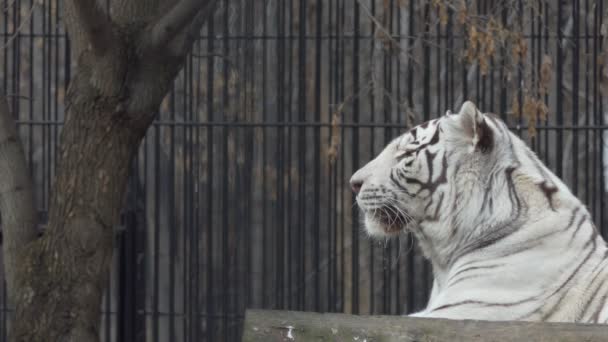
(239, 197)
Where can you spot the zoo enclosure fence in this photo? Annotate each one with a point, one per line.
(239, 196)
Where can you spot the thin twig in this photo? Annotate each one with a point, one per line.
(388, 34)
(16, 33)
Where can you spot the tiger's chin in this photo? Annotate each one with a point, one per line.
(383, 226)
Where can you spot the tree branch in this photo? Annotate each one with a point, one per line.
(179, 17)
(88, 25)
(16, 196)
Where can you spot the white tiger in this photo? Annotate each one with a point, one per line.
(506, 238)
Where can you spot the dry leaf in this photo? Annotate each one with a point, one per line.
(443, 15)
(529, 112)
(462, 13)
(544, 76)
(515, 107)
(334, 146)
(543, 111)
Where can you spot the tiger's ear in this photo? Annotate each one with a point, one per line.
(475, 127)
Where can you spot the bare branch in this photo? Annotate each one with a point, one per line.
(21, 26)
(88, 25)
(16, 196)
(179, 17)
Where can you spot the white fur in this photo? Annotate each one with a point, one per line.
(540, 269)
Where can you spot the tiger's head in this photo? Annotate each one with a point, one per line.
(420, 176)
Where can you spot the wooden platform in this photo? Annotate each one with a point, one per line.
(270, 326)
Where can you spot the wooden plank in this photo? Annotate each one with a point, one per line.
(269, 326)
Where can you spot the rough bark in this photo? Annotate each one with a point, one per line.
(268, 326)
(64, 272)
(16, 196)
(88, 26)
(110, 103)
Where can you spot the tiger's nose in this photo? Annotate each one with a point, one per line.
(356, 184)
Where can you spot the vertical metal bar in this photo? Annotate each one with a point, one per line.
(452, 70)
(387, 104)
(397, 11)
(140, 253)
(280, 147)
(265, 222)
(600, 102)
(400, 262)
(16, 49)
(575, 107)
(332, 279)
(30, 131)
(373, 59)
(536, 62)
(249, 143)
(226, 224)
(53, 146)
(317, 159)
(5, 20)
(588, 114)
(196, 258)
(107, 304)
(340, 85)
(479, 91)
(597, 160)
(502, 75)
(187, 198)
(520, 74)
(426, 105)
(291, 268)
(598, 136)
(4, 313)
(426, 51)
(355, 160)
(464, 81)
(171, 211)
(49, 98)
(127, 286)
(123, 297)
(302, 155)
(546, 34)
(410, 97)
(156, 264)
(147, 253)
(558, 92)
(210, 309)
(449, 61)
(44, 192)
(4, 308)
(244, 263)
(182, 190)
(491, 78)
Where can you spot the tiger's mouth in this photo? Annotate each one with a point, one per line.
(391, 220)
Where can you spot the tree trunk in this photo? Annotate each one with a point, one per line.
(74, 255)
(16, 197)
(125, 68)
